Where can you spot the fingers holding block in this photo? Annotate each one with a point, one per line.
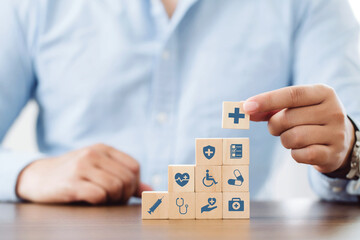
(236, 151)
(155, 205)
(234, 116)
(209, 151)
(181, 178)
(209, 205)
(208, 179)
(182, 205)
(236, 205)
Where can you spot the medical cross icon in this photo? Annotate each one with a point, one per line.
(209, 152)
(236, 115)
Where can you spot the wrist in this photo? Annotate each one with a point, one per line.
(20, 187)
(342, 171)
(345, 167)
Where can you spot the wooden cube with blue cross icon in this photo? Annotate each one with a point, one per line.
(208, 151)
(234, 116)
(236, 205)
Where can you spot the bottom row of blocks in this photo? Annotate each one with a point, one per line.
(191, 205)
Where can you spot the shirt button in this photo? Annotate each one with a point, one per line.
(337, 189)
(162, 118)
(166, 55)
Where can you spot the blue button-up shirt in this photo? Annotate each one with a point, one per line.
(123, 73)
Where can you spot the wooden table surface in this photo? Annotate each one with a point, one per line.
(297, 219)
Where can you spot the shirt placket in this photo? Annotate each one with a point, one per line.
(164, 96)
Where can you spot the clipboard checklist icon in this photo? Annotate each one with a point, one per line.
(236, 151)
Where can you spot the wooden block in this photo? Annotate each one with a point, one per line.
(236, 151)
(236, 205)
(208, 179)
(182, 205)
(234, 116)
(235, 178)
(155, 205)
(181, 178)
(209, 205)
(208, 151)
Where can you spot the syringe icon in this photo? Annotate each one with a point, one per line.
(156, 204)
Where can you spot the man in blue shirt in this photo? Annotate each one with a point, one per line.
(145, 78)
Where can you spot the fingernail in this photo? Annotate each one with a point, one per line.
(250, 107)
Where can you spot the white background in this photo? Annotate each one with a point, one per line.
(289, 181)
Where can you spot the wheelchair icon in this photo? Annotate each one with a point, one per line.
(208, 180)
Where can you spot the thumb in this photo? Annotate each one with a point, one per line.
(143, 187)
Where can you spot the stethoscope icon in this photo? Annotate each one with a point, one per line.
(180, 205)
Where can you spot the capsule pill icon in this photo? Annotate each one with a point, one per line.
(238, 181)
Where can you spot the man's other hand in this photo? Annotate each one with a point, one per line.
(310, 121)
(96, 174)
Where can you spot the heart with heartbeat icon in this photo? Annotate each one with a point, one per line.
(182, 179)
(212, 201)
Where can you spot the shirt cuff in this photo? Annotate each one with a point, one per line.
(332, 189)
(11, 164)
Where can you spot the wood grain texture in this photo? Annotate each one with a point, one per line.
(235, 178)
(182, 205)
(176, 178)
(209, 157)
(209, 205)
(230, 116)
(214, 173)
(300, 219)
(229, 150)
(155, 205)
(236, 205)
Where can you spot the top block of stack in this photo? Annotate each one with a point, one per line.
(234, 116)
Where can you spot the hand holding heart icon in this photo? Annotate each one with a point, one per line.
(209, 207)
(182, 179)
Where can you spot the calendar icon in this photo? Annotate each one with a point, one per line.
(236, 151)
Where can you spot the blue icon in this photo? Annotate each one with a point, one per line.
(209, 178)
(208, 207)
(180, 205)
(236, 151)
(238, 181)
(236, 115)
(155, 206)
(236, 205)
(182, 179)
(209, 152)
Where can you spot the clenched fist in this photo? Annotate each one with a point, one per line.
(310, 121)
(95, 174)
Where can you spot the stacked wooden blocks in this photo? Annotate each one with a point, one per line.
(216, 187)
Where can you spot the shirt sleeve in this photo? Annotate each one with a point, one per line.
(326, 51)
(17, 82)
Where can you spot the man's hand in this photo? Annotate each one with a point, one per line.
(95, 174)
(310, 121)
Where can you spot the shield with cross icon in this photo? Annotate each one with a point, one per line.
(209, 151)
